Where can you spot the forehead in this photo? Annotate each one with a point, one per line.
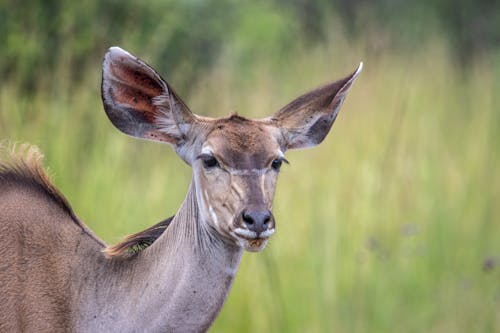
(243, 143)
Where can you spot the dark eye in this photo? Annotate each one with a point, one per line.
(209, 162)
(276, 164)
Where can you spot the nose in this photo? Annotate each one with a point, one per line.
(257, 220)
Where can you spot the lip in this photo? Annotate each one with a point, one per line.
(250, 235)
(251, 241)
(256, 243)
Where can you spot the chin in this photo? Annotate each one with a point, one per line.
(255, 245)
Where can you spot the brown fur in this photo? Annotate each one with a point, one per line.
(137, 242)
(53, 274)
(23, 164)
(239, 136)
(240, 133)
(38, 232)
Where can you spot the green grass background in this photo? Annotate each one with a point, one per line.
(390, 225)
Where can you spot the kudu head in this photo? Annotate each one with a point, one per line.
(235, 160)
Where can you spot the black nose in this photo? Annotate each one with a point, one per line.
(256, 220)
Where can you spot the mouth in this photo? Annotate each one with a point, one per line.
(251, 240)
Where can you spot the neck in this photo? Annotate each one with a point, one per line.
(179, 283)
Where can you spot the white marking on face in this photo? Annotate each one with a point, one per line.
(245, 233)
(206, 150)
(202, 198)
(238, 189)
(263, 186)
(267, 233)
(206, 195)
(213, 215)
(252, 234)
(253, 172)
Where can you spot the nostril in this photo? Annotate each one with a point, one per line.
(257, 220)
(248, 218)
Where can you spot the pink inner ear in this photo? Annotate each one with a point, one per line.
(136, 77)
(135, 89)
(135, 99)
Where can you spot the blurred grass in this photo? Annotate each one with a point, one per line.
(391, 225)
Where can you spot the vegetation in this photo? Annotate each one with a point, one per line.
(390, 225)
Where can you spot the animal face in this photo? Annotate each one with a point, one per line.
(235, 161)
(235, 176)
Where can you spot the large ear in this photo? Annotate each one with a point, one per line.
(306, 121)
(140, 103)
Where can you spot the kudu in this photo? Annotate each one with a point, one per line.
(56, 275)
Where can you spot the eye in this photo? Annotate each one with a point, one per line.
(276, 164)
(209, 161)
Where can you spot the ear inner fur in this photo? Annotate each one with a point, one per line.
(306, 121)
(142, 104)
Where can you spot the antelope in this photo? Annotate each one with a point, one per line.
(57, 276)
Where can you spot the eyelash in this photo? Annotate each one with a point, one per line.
(209, 162)
(276, 164)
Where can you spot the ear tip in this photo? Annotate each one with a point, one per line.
(116, 52)
(359, 69)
